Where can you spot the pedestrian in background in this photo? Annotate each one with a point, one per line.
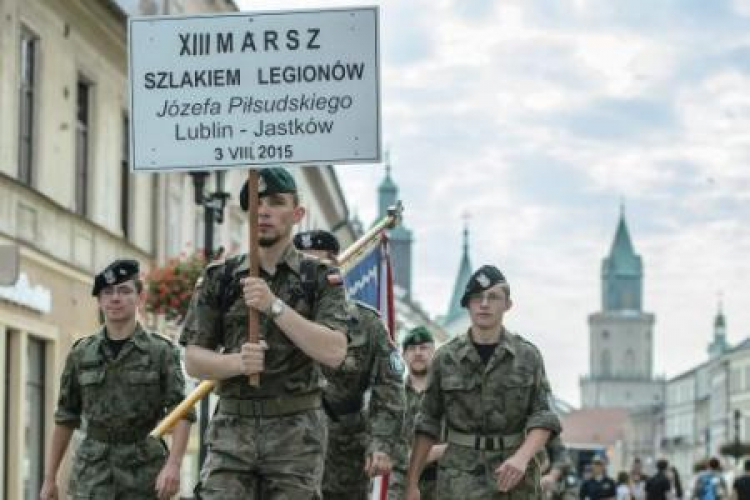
(658, 486)
(638, 480)
(741, 485)
(623, 486)
(600, 486)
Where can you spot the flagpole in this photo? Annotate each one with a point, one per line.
(355, 250)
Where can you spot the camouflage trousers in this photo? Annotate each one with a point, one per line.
(104, 471)
(271, 458)
(397, 487)
(344, 477)
(469, 474)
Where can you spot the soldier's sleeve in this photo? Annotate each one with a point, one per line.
(541, 415)
(202, 321)
(387, 400)
(429, 418)
(173, 380)
(330, 308)
(68, 410)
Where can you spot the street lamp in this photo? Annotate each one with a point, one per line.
(213, 211)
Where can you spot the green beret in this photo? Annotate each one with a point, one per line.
(117, 272)
(416, 336)
(482, 279)
(271, 180)
(317, 239)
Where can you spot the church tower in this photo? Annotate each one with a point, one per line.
(400, 237)
(621, 355)
(719, 345)
(456, 321)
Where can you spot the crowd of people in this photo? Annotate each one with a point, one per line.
(563, 483)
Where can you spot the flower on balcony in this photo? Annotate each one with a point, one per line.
(169, 288)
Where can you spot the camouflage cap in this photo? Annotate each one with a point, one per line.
(117, 272)
(485, 277)
(271, 180)
(317, 239)
(416, 336)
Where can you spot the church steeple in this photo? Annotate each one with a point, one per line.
(387, 191)
(719, 345)
(400, 237)
(622, 273)
(464, 273)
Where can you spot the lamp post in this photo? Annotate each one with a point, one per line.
(213, 211)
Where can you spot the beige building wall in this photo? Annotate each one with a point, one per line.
(51, 306)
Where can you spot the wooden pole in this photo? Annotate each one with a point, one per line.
(253, 316)
(346, 258)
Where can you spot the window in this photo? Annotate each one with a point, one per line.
(27, 98)
(83, 122)
(33, 460)
(629, 363)
(125, 179)
(605, 334)
(606, 367)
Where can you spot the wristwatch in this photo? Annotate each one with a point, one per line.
(276, 309)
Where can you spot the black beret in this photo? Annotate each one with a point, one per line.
(317, 239)
(482, 279)
(271, 180)
(117, 272)
(416, 336)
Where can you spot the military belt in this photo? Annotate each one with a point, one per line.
(111, 435)
(488, 443)
(275, 407)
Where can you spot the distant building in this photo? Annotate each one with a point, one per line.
(702, 403)
(621, 355)
(456, 320)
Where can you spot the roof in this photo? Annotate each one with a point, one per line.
(464, 273)
(622, 258)
(604, 426)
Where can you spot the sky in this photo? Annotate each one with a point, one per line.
(541, 119)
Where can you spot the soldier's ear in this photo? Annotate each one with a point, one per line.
(299, 213)
(509, 305)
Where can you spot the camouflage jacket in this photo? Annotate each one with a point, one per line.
(413, 399)
(132, 391)
(372, 363)
(507, 396)
(217, 318)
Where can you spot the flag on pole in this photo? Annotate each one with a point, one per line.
(370, 281)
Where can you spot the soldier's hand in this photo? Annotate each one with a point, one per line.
(168, 482)
(510, 472)
(377, 464)
(412, 493)
(252, 357)
(49, 491)
(257, 294)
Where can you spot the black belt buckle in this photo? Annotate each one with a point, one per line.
(489, 443)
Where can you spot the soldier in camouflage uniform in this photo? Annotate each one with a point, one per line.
(360, 440)
(490, 388)
(267, 441)
(419, 348)
(119, 383)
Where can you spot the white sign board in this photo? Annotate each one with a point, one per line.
(269, 88)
